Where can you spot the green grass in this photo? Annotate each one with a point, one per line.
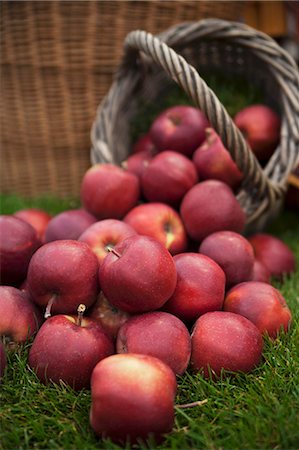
(248, 411)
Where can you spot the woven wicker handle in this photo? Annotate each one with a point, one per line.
(189, 80)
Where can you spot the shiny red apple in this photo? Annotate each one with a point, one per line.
(132, 398)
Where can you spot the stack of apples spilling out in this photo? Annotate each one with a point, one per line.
(151, 276)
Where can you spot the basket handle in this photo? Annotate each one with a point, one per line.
(186, 76)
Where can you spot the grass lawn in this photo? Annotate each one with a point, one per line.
(254, 411)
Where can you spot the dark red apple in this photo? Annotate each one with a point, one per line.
(37, 218)
(61, 275)
(68, 224)
(180, 128)
(232, 252)
(261, 128)
(19, 317)
(213, 161)
(110, 317)
(274, 254)
(211, 206)
(225, 341)
(3, 360)
(138, 275)
(67, 348)
(260, 272)
(262, 304)
(106, 234)
(200, 287)
(108, 191)
(167, 178)
(144, 144)
(161, 222)
(18, 242)
(137, 163)
(158, 334)
(132, 398)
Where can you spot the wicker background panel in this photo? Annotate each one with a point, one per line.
(57, 63)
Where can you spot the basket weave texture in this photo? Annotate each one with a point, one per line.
(57, 63)
(179, 54)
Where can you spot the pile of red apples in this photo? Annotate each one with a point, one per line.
(152, 276)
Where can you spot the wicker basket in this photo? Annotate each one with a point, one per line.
(57, 62)
(180, 54)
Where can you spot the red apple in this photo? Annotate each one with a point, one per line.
(19, 317)
(180, 128)
(262, 304)
(211, 206)
(67, 349)
(3, 360)
(109, 192)
(18, 242)
(232, 252)
(144, 144)
(167, 178)
(106, 234)
(110, 317)
(139, 275)
(213, 160)
(200, 287)
(37, 218)
(261, 128)
(137, 163)
(68, 224)
(225, 341)
(161, 222)
(61, 275)
(132, 398)
(274, 254)
(157, 334)
(260, 272)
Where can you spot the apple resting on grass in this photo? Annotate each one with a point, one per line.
(61, 275)
(274, 254)
(224, 340)
(109, 192)
(261, 128)
(161, 222)
(19, 317)
(200, 287)
(18, 242)
(104, 235)
(3, 361)
(213, 160)
(211, 206)
(167, 178)
(180, 128)
(262, 304)
(232, 252)
(132, 397)
(67, 348)
(68, 224)
(110, 317)
(37, 218)
(138, 275)
(157, 334)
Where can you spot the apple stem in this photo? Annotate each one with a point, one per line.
(80, 310)
(191, 405)
(112, 250)
(49, 306)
